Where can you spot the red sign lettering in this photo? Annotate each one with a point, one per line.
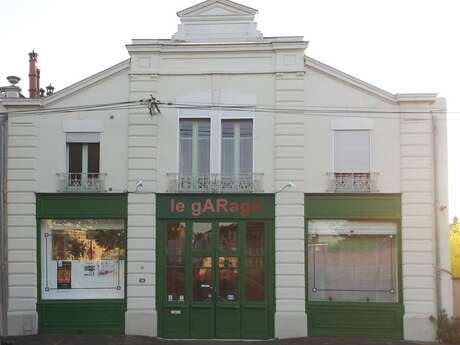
(219, 205)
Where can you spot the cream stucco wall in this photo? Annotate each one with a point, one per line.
(288, 146)
(114, 135)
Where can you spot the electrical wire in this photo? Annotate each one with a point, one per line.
(314, 110)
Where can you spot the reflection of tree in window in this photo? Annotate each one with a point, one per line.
(111, 241)
(228, 278)
(228, 236)
(88, 244)
(202, 236)
(254, 262)
(175, 270)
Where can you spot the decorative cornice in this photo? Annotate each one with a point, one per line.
(417, 97)
(21, 102)
(176, 47)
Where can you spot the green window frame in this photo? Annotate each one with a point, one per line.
(80, 316)
(346, 318)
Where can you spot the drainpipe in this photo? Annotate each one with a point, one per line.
(441, 271)
(434, 130)
(3, 234)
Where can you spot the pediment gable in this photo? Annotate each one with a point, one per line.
(217, 21)
(217, 8)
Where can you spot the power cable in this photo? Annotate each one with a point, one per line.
(154, 105)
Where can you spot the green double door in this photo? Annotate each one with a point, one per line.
(215, 279)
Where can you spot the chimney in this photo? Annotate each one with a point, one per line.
(34, 76)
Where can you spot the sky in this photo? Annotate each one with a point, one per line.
(402, 46)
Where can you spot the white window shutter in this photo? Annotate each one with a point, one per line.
(352, 151)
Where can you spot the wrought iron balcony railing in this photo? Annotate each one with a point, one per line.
(215, 183)
(352, 182)
(81, 182)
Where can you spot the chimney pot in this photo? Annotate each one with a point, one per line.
(34, 76)
(49, 90)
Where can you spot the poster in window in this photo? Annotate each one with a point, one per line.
(64, 275)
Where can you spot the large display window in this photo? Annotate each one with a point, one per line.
(83, 258)
(352, 261)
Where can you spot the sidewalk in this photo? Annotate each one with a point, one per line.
(138, 340)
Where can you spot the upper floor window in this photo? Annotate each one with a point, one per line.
(83, 158)
(237, 147)
(82, 164)
(352, 151)
(215, 155)
(194, 147)
(352, 162)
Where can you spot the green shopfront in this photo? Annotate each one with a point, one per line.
(81, 242)
(215, 266)
(353, 265)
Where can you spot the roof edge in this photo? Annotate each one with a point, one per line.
(322, 67)
(71, 89)
(203, 4)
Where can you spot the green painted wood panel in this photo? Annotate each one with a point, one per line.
(81, 317)
(355, 206)
(383, 320)
(175, 322)
(202, 324)
(355, 319)
(228, 322)
(215, 206)
(254, 323)
(217, 318)
(82, 205)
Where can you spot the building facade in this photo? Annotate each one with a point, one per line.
(222, 184)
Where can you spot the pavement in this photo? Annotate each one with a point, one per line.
(140, 340)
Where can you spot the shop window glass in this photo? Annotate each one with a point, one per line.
(228, 237)
(228, 279)
(175, 268)
(352, 261)
(254, 264)
(82, 259)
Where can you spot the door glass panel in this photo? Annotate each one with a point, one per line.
(175, 269)
(175, 283)
(228, 278)
(175, 238)
(254, 263)
(202, 279)
(255, 288)
(202, 236)
(255, 239)
(228, 237)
